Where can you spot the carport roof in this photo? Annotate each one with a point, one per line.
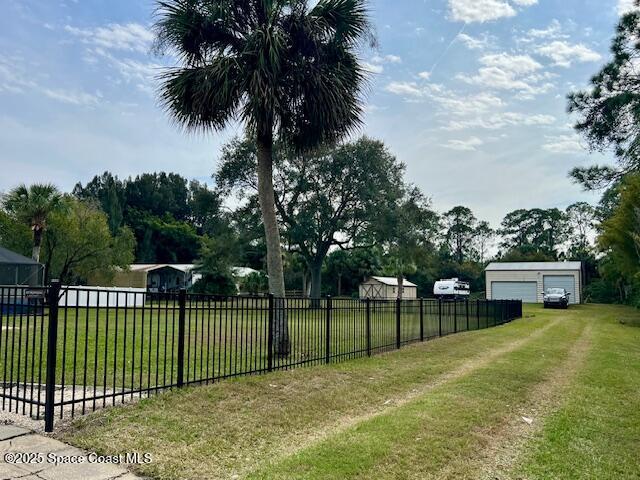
(517, 266)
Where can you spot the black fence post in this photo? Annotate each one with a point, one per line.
(487, 309)
(270, 320)
(455, 315)
(398, 339)
(52, 342)
(182, 310)
(328, 331)
(478, 314)
(368, 318)
(422, 319)
(466, 304)
(439, 317)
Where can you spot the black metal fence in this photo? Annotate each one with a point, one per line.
(72, 350)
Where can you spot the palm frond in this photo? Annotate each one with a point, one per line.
(196, 30)
(203, 98)
(326, 103)
(343, 20)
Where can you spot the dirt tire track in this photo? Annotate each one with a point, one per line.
(506, 445)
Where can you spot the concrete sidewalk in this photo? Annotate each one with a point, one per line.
(29, 456)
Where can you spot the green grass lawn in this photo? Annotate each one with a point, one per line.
(130, 349)
(448, 408)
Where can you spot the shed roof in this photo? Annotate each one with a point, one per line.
(393, 281)
(150, 267)
(519, 266)
(7, 256)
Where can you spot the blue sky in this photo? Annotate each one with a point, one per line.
(469, 94)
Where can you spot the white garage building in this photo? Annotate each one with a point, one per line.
(527, 280)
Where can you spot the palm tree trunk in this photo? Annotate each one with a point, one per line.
(275, 270)
(37, 243)
(400, 286)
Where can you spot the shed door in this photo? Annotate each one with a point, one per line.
(525, 291)
(562, 281)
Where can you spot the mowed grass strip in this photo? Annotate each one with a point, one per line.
(237, 426)
(596, 434)
(424, 437)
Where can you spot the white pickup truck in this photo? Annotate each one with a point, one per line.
(451, 288)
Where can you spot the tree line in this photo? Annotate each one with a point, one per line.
(346, 212)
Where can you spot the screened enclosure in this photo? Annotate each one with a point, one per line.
(16, 269)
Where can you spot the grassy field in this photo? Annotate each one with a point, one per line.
(128, 349)
(554, 395)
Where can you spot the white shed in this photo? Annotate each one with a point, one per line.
(527, 280)
(386, 288)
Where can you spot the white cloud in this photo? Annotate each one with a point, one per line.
(467, 145)
(553, 31)
(406, 89)
(72, 97)
(625, 6)
(372, 67)
(474, 43)
(564, 54)
(564, 144)
(500, 120)
(377, 61)
(451, 103)
(425, 75)
(515, 64)
(131, 36)
(15, 79)
(142, 74)
(470, 11)
(461, 105)
(509, 72)
(387, 59)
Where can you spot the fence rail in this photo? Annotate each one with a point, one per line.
(67, 351)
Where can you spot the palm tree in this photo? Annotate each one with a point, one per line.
(33, 205)
(280, 67)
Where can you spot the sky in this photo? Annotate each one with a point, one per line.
(469, 94)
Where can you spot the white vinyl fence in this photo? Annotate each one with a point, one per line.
(102, 297)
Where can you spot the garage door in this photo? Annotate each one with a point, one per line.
(562, 281)
(525, 291)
